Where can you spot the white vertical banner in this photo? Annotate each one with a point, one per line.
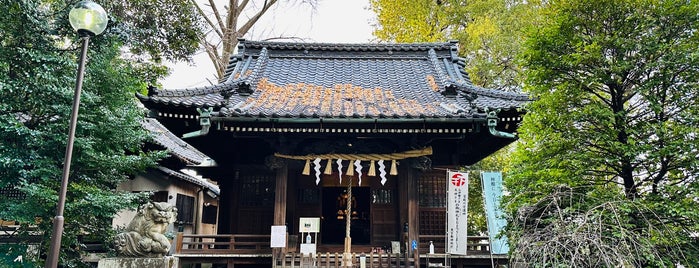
(457, 212)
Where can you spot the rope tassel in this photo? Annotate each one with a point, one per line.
(372, 169)
(350, 169)
(307, 168)
(329, 167)
(394, 168)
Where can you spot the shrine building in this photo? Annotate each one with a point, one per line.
(299, 129)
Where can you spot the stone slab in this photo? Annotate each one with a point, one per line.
(122, 262)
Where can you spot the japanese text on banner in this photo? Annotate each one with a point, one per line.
(457, 212)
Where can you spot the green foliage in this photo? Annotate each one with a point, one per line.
(409, 20)
(159, 29)
(616, 112)
(38, 64)
(490, 32)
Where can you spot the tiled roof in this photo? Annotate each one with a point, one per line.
(175, 145)
(300, 80)
(191, 179)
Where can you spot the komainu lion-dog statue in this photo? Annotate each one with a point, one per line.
(145, 234)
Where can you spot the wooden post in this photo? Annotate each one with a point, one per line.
(280, 196)
(413, 210)
(280, 203)
(178, 241)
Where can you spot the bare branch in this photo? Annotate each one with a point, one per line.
(206, 18)
(223, 27)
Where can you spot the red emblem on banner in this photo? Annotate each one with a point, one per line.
(458, 180)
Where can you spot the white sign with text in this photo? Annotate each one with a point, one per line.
(457, 212)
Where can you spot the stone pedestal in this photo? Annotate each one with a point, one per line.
(123, 262)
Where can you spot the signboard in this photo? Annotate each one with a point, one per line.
(457, 212)
(309, 225)
(278, 236)
(492, 192)
(395, 247)
(308, 249)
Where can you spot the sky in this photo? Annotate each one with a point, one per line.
(333, 21)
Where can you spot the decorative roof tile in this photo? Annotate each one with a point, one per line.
(298, 80)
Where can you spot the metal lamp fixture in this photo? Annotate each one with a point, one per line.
(88, 19)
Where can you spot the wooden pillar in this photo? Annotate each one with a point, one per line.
(403, 201)
(280, 191)
(408, 198)
(413, 210)
(280, 195)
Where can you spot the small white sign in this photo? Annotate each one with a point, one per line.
(278, 236)
(395, 247)
(309, 225)
(308, 249)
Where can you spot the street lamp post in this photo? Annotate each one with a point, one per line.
(88, 19)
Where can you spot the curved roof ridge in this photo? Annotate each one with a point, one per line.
(434, 60)
(262, 59)
(192, 91)
(346, 46)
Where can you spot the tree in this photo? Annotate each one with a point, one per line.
(38, 63)
(407, 21)
(157, 30)
(616, 113)
(225, 25)
(490, 32)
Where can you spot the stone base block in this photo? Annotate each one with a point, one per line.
(122, 262)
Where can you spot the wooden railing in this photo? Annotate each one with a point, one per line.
(260, 244)
(222, 244)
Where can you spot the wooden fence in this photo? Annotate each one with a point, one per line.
(334, 260)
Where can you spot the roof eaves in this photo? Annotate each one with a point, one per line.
(191, 179)
(175, 145)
